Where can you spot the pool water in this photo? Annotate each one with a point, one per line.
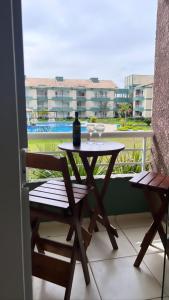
(54, 127)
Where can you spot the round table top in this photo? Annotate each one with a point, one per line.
(94, 147)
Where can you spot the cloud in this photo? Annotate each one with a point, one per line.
(82, 38)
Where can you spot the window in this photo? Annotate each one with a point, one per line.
(81, 93)
(41, 92)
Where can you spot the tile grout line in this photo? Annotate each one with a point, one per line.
(95, 281)
(151, 271)
(143, 258)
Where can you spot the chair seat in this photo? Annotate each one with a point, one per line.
(53, 193)
(152, 181)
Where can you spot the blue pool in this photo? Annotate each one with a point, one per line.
(54, 127)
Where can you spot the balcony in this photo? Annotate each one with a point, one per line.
(30, 98)
(81, 99)
(42, 108)
(139, 108)
(123, 100)
(100, 108)
(61, 109)
(42, 98)
(60, 98)
(116, 265)
(100, 99)
(138, 98)
(81, 108)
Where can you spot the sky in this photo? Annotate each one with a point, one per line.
(80, 39)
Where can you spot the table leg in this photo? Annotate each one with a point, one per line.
(79, 180)
(74, 167)
(100, 207)
(156, 226)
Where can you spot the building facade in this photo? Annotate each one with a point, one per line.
(60, 98)
(122, 96)
(143, 100)
(140, 88)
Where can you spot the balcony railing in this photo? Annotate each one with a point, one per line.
(81, 98)
(116, 135)
(61, 98)
(81, 108)
(123, 100)
(100, 109)
(100, 99)
(61, 109)
(42, 98)
(30, 98)
(138, 98)
(139, 108)
(42, 108)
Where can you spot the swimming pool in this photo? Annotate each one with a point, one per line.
(54, 127)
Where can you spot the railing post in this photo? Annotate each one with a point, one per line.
(144, 154)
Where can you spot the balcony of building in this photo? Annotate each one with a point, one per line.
(100, 108)
(100, 99)
(138, 98)
(61, 109)
(81, 98)
(28, 98)
(139, 108)
(123, 100)
(81, 108)
(42, 108)
(62, 98)
(42, 98)
(122, 96)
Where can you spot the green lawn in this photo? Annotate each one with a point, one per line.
(51, 145)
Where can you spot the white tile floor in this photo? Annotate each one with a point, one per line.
(112, 273)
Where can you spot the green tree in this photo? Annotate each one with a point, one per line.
(125, 109)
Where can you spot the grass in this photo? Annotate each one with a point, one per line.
(52, 145)
(127, 156)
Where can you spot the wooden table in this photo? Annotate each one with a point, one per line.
(89, 153)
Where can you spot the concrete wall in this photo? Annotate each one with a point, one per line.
(148, 101)
(161, 90)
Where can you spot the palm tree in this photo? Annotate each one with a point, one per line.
(125, 109)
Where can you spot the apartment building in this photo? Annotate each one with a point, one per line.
(143, 100)
(140, 88)
(121, 96)
(60, 97)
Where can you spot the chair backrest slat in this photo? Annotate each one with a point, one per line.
(52, 163)
(44, 161)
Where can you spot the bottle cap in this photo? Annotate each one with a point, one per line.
(76, 114)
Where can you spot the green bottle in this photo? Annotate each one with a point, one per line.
(76, 131)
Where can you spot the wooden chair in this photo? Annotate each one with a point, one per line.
(156, 191)
(60, 201)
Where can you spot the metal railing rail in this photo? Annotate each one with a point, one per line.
(144, 135)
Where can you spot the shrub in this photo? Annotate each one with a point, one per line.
(148, 121)
(92, 119)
